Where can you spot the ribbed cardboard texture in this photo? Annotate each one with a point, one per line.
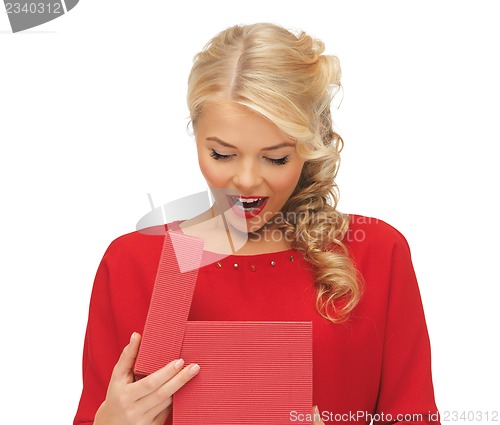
(252, 373)
(170, 302)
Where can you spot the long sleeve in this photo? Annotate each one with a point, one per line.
(406, 391)
(100, 347)
(118, 306)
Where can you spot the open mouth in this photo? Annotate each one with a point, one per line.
(248, 205)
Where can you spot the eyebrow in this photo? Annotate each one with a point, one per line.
(269, 148)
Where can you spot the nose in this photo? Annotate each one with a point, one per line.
(247, 176)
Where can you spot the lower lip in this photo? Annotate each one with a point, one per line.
(247, 213)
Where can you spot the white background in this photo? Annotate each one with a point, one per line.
(93, 117)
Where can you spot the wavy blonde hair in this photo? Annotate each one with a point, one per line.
(286, 78)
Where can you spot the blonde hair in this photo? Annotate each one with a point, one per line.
(286, 78)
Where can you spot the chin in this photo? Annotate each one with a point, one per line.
(244, 226)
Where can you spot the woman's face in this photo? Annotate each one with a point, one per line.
(245, 157)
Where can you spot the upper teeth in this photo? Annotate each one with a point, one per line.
(249, 200)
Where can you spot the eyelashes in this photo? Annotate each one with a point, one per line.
(217, 156)
(279, 161)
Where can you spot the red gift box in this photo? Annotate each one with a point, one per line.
(251, 373)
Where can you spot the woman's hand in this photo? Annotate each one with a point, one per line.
(147, 401)
(317, 416)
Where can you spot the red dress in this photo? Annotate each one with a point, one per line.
(377, 363)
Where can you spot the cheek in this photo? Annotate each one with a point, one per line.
(212, 174)
(286, 181)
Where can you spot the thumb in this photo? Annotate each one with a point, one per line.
(125, 364)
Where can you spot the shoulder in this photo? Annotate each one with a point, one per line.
(373, 236)
(374, 230)
(135, 245)
(382, 255)
(128, 267)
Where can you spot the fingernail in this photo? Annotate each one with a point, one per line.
(132, 337)
(178, 364)
(193, 369)
(316, 410)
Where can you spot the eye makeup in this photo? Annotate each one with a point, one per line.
(276, 161)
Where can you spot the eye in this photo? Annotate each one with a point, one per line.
(279, 161)
(216, 155)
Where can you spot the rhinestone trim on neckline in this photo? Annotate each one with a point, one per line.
(253, 267)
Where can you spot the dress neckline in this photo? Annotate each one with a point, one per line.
(174, 225)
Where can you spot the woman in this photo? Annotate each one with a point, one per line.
(259, 100)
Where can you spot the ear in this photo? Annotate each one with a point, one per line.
(29, 13)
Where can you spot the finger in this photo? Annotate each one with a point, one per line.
(125, 364)
(161, 418)
(181, 379)
(159, 413)
(155, 380)
(162, 397)
(317, 416)
(164, 404)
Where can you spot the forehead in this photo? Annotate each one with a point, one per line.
(237, 123)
